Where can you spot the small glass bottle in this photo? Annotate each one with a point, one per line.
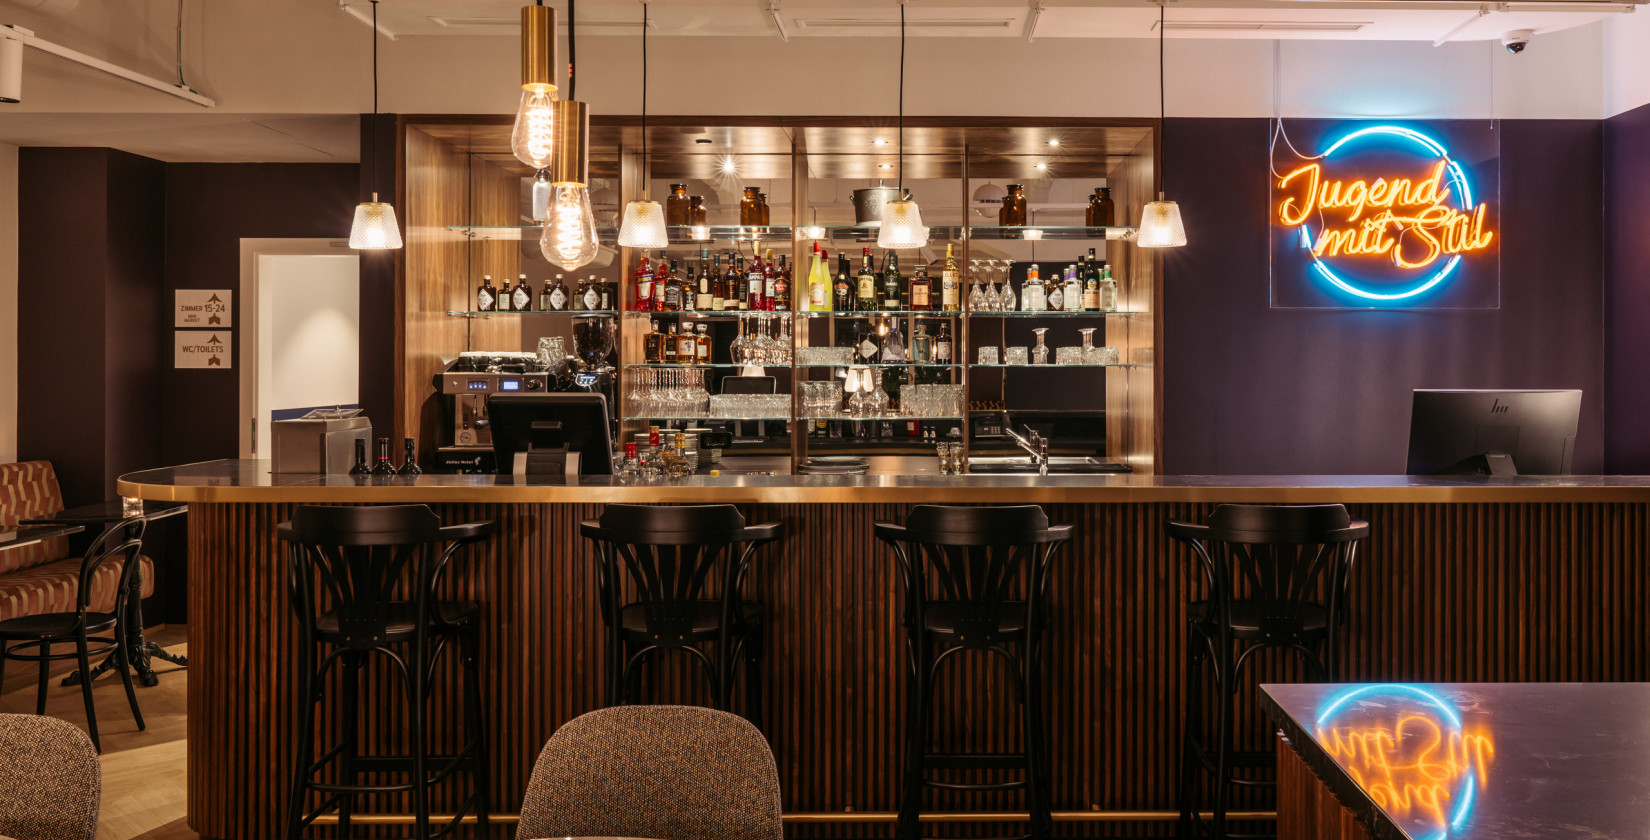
(383, 465)
(703, 350)
(922, 346)
(679, 467)
(687, 347)
(521, 297)
(503, 302)
(1033, 297)
(1056, 295)
(360, 467)
(676, 206)
(486, 295)
(1013, 213)
(592, 294)
(653, 349)
(409, 459)
(631, 468)
(942, 344)
(922, 291)
(697, 214)
(1039, 353)
(749, 208)
(1105, 213)
(669, 351)
(1108, 291)
(558, 296)
(1074, 291)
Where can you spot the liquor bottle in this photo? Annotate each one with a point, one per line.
(383, 465)
(504, 301)
(819, 280)
(559, 298)
(717, 297)
(702, 352)
(521, 298)
(409, 459)
(703, 299)
(781, 301)
(486, 295)
(733, 284)
(1074, 291)
(670, 346)
(942, 344)
(1056, 294)
(592, 294)
(544, 296)
(360, 467)
(644, 288)
(606, 297)
(922, 346)
(769, 276)
(687, 347)
(866, 296)
(1091, 289)
(1108, 291)
(893, 345)
(576, 301)
(632, 466)
(921, 290)
(950, 282)
(865, 343)
(673, 289)
(661, 279)
(1033, 298)
(653, 351)
(892, 285)
(842, 299)
(756, 280)
(690, 293)
(741, 286)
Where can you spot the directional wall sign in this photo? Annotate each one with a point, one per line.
(202, 349)
(204, 308)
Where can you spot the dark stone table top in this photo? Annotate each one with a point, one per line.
(1475, 761)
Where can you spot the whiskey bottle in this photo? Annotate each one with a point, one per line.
(521, 298)
(950, 282)
(409, 459)
(892, 285)
(644, 288)
(383, 465)
(560, 299)
(690, 294)
(592, 294)
(921, 290)
(866, 296)
(702, 352)
(717, 297)
(687, 346)
(670, 346)
(661, 279)
(703, 299)
(842, 297)
(486, 295)
(733, 284)
(653, 351)
(781, 286)
(673, 289)
(503, 301)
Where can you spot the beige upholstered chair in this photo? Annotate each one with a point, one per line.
(669, 772)
(50, 780)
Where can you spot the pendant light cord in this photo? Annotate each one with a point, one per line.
(373, 126)
(902, 99)
(572, 50)
(1162, 98)
(644, 91)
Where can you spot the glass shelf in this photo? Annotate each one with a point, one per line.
(881, 313)
(887, 365)
(1052, 366)
(861, 233)
(876, 418)
(470, 313)
(704, 315)
(675, 366)
(668, 419)
(1086, 313)
(678, 234)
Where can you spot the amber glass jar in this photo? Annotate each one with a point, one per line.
(697, 215)
(1013, 213)
(676, 206)
(750, 208)
(762, 204)
(1102, 208)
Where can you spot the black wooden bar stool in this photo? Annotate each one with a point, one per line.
(1277, 578)
(363, 583)
(687, 566)
(975, 579)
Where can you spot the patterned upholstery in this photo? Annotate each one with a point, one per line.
(50, 781)
(677, 772)
(28, 489)
(51, 588)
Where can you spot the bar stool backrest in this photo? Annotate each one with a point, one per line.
(365, 559)
(673, 554)
(982, 562)
(50, 781)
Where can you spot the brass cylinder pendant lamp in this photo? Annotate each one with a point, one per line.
(532, 137)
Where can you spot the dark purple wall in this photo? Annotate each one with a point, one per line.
(1251, 389)
(1627, 291)
(210, 207)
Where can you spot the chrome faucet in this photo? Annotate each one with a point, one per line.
(1036, 446)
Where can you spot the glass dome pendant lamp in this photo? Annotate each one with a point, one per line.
(643, 225)
(374, 227)
(902, 225)
(1160, 224)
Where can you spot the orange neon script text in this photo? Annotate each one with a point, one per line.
(1413, 767)
(1402, 219)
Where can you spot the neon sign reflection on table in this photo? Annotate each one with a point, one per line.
(1406, 220)
(1410, 751)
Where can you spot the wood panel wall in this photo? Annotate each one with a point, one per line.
(1460, 593)
(1133, 432)
(1307, 808)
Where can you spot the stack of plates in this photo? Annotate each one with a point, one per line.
(835, 465)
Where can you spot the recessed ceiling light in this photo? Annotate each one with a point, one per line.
(879, 142)
(1042, 167)
(885, 166)
(1054, 141)
(729, 166)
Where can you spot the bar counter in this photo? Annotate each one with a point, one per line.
(1461, 580)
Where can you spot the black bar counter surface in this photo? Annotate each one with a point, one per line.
(1476, 761)
(251, 481)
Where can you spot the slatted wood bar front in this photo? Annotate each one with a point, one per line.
(1445, 591)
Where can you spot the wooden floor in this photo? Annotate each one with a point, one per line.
(143, 772)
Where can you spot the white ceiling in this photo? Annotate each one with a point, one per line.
(1384, 20)
(229, 138)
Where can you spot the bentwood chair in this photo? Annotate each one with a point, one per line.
(363, 583)
(30, 638)
(678, 772)
(687, 567)
(975, 579)
(50, 780)
(1276, 577)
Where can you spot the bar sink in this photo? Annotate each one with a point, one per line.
(1023, 465)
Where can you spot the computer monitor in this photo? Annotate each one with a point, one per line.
(541, 424)
(1493, 432)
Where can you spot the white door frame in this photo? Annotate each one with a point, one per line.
(251, 249)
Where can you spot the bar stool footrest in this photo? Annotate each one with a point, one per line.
(975, 761)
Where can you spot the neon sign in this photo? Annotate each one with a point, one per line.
(1383, 216)
(1411, 752)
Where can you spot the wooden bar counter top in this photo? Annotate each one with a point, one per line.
(1461, 580)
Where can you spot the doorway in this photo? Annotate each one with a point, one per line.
(301, 311)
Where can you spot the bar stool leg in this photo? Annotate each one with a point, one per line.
(45, 673)
(123, 665)
(753, 677)
(916, 730)
(470, 643)
(349, 692)
(1227, 684)
(1191, 758)
(413, 675)
(1036, 790)
(306, 741)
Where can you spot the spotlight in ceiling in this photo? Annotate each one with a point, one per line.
(885, 166)
(879, 142)
(1042, 167)
(1054, 141)
(729, 166)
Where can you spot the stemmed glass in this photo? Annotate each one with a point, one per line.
(1005, 298)
(737, 348)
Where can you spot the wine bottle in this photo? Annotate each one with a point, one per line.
(383, 466)
(843, 298)
(409, 459)
(360, 467)
(893, 285)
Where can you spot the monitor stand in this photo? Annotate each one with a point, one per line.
(1486, 463)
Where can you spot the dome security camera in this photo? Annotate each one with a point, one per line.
(1515, 40)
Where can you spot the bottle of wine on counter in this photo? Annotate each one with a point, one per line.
(560, 298)
(653, 351)
(383, 466)
(521, 299)
(360, 467)
(644, 288)
(670, 346)
(486, 295)
(703, 299)
(867, 294)
(409, 459)
(951, 282)
(592, 294)
(921, 290)
(503, 301)
(842, 297)
(893, 285)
